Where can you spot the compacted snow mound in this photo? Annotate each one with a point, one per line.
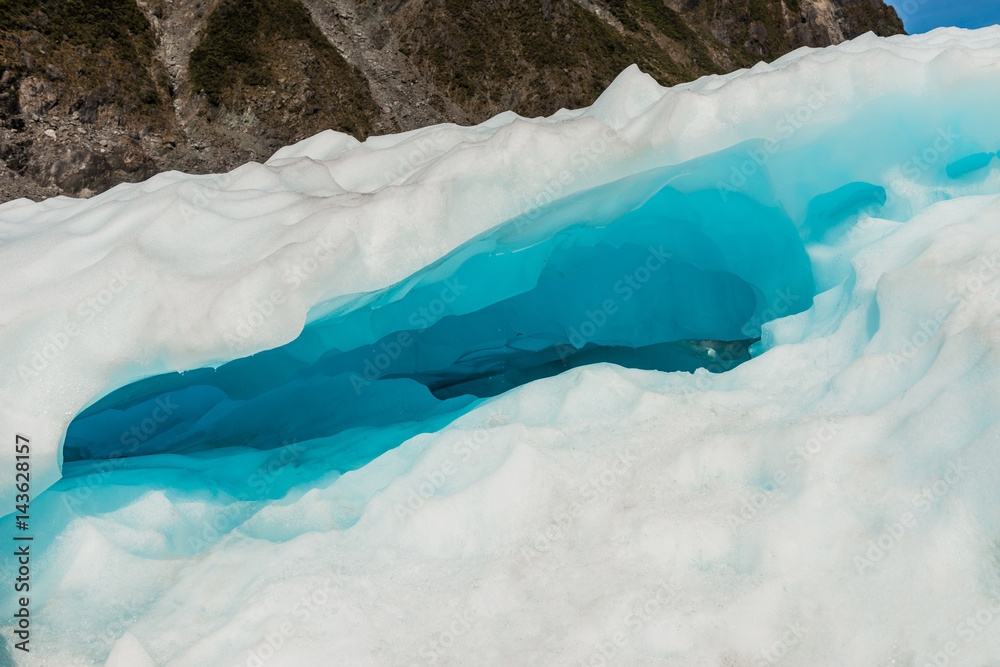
(315, 423)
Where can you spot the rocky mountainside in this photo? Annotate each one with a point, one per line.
(96, 92)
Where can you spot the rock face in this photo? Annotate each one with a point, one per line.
(96, 93)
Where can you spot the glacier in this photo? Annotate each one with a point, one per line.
(705, 375)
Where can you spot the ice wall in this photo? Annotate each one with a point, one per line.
(632, 272)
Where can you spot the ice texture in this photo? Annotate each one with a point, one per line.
(248, 480)
(587, 281)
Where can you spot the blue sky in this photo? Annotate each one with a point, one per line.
(924, 15)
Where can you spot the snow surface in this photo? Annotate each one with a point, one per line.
(833, 501)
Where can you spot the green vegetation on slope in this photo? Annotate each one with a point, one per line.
(757, 29)
(269, 58)
(556, 54)
(102, 48)
(535, 56)
(668, 23)
(95, 23)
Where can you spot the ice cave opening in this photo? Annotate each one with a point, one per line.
(634, 272)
